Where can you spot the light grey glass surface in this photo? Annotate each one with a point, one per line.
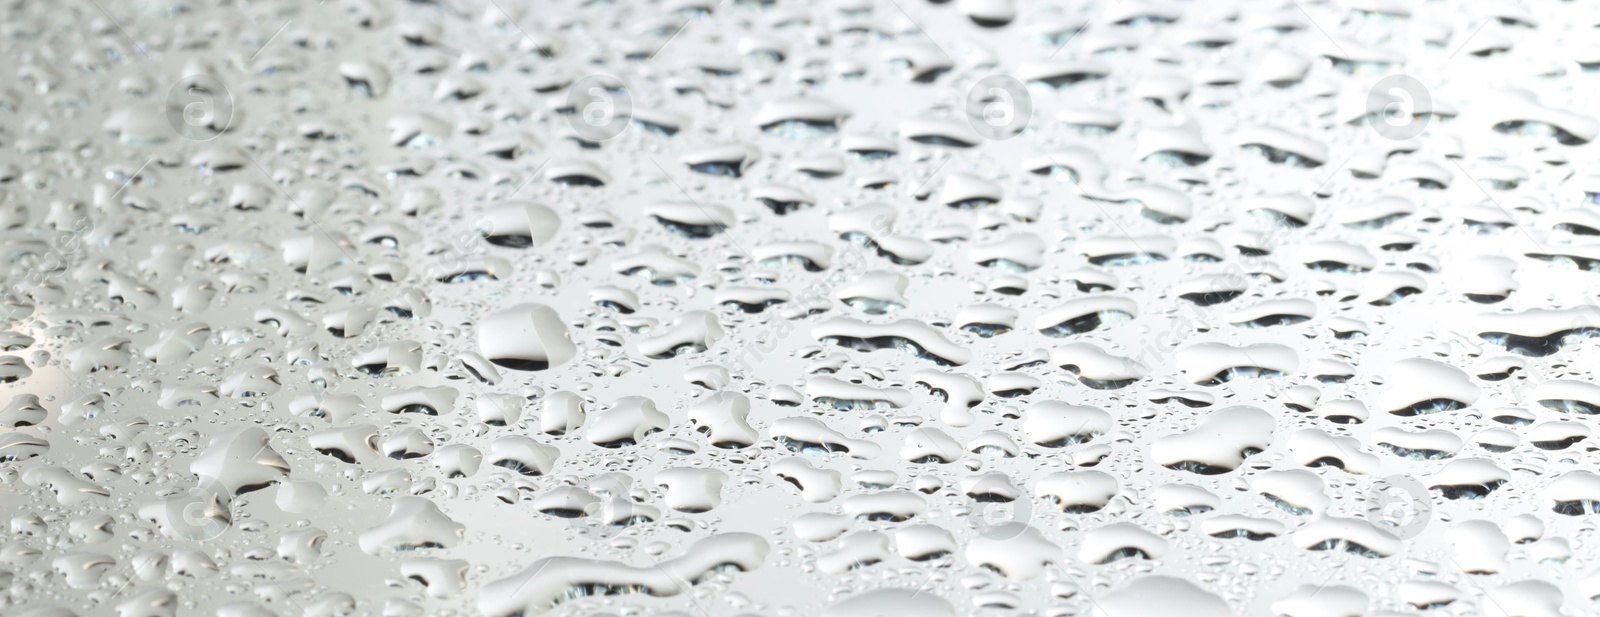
(845, 308)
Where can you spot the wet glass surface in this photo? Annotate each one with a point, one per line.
(845, 308)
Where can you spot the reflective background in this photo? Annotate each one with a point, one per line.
(786, 308)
